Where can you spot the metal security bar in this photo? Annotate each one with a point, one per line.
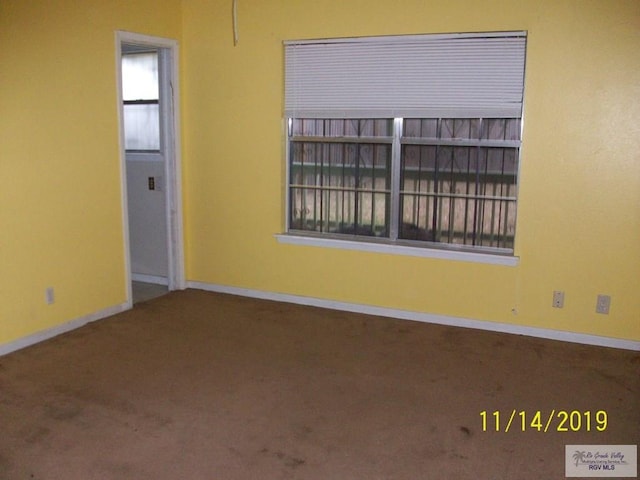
(433, 181)
(458, 180)
(340, 176)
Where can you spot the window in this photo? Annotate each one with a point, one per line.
(340, 174)
(140, 93)
(406, 140)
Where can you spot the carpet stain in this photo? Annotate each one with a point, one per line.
(68, 409)
(466, 431)
(158, 421)
(458, 456)
(288, 460)
(303, 432)
(439, 379)
(4, 464)
(294, 462)
(612, 378)
(62, 410)
(37, 435)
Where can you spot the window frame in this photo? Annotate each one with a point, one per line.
(146, 154)
(391, 243)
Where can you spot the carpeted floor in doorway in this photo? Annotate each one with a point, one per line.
(198, 385)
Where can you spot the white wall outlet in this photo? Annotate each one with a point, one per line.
(558, 299)
(49, 295)
(603, 304)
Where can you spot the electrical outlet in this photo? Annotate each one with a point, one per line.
(558, 299)
(603, 304)
(49, 295)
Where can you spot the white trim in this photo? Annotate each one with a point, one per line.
(173, 174)
(424, 252)
(560, 335)
(141, 277)
(123, 174)
(142, 39)
(177, 279)
(60, 329)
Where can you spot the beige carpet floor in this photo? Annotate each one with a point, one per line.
(197, 385)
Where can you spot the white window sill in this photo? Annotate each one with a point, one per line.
(424, 252)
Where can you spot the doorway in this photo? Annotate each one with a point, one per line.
(152, 213)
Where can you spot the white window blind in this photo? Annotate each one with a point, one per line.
(428, 76)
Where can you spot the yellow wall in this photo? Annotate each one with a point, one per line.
(60, 200)
(579, 216)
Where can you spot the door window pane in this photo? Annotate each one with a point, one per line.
(140, 92)
(140, 76)
(141, 127)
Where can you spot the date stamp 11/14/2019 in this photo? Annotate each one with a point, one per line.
(544, 421)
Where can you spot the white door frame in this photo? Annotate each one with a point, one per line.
(175, 238)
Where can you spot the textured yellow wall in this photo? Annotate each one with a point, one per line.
(579, 214)
(60, 199)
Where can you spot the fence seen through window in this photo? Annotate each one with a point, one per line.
(448, 181)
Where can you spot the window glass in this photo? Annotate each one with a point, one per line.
(340, 181)
(457, 179)
(142, 127)
(140, 76)
(140, 90)
(454, 189)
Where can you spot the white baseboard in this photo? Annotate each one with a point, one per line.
(60, 329)
(564, 336)
(343, 306)
(141, 277)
